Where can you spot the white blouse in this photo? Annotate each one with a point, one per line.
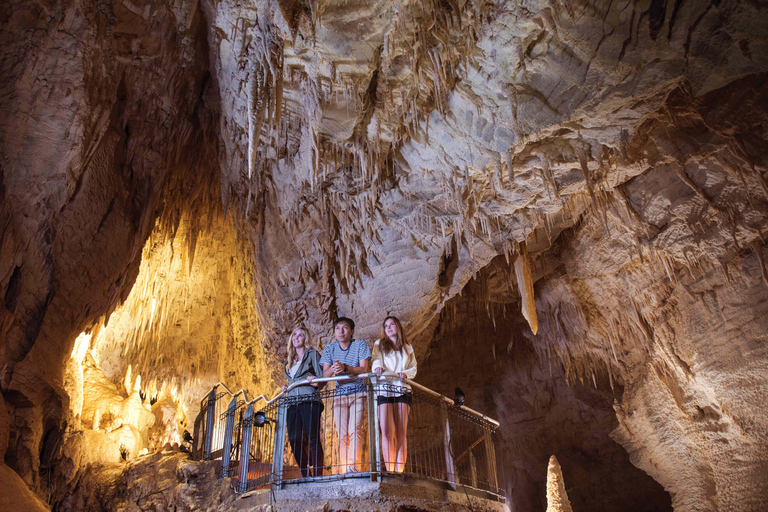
(294, 369)
(402, 361)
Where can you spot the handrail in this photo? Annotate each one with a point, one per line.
(225, 448)
(448, 400)
(225, 387)
(219, 383)
(245, 394)
(319, 380)
(338, 378)
(293, 386)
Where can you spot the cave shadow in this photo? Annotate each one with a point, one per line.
(486, 348)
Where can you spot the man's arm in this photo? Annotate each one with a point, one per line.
(357, 370)
(326, 362)
(364, 355)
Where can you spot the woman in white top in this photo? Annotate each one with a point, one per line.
(392, 353)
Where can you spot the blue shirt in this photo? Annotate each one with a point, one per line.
(356, 352)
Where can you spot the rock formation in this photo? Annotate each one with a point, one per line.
(564, 201)
(557, 498)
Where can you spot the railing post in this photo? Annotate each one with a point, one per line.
(226, 451)
(209, 421)
(278, 452)
(450, 467)
(245, 449)
(490, 452)
(473, 468)
(374, 443)
(197, 445)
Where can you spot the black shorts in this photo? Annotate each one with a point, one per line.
(400, 399)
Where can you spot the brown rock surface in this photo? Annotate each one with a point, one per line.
(187, 181)
(170, 481)
(16, 495)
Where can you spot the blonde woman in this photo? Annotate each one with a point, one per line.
(303, 415)
(392, 353)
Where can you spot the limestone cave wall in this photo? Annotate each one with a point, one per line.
(564, 201)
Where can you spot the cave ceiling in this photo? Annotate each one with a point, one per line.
(393, 139)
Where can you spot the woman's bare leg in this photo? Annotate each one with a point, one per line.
(401, 435)
(387, 424)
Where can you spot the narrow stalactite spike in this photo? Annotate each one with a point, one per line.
(522, 266)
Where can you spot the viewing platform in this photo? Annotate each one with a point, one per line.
(451, 452)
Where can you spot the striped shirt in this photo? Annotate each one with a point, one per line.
(356, 352)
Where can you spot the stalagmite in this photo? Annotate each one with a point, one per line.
(525, 286)
(557, 498)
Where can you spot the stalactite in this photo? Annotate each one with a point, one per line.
(310, 128)
(522, 265)
(255, 113)
(581, 152)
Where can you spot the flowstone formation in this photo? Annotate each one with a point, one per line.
(564, 201)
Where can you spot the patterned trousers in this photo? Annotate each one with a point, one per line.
(348, 417)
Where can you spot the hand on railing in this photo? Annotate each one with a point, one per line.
(338, 368)
(315, 381)
(380, 371)
(378, 374)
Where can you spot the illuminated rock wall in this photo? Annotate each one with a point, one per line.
(189, 319)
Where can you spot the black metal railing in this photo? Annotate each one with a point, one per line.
(259, 443)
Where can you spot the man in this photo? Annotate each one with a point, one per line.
(347, 356)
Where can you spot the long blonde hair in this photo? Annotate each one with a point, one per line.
(385, 343)
(292, 356)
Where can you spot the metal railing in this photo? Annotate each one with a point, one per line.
(264, 446)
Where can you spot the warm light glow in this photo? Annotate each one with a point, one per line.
(190, 309)
(127, 380)
(82, 343)
(153, 309)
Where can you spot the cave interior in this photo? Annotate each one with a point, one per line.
(564, 201)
